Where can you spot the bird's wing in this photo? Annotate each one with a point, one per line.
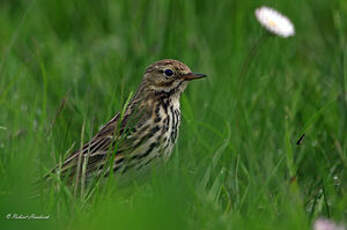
(96, 150)
(114, 141)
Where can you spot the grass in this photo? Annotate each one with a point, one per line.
(72, 64)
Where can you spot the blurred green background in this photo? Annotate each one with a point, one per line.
(68, 64)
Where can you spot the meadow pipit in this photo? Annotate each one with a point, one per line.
(145, 133)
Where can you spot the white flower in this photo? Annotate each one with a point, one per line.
(324, 224)
(274, 21)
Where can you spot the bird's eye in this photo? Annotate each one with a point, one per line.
(168, 72)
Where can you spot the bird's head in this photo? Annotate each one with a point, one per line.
(169, 76)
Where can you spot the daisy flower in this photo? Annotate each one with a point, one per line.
(274, 21)
(324, 224)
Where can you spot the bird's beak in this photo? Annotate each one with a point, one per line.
(193, 76)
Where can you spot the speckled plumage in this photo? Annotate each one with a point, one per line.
(146, 133)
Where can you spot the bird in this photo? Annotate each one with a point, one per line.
(143, 134)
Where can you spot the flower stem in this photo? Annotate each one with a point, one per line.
(251, 54)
